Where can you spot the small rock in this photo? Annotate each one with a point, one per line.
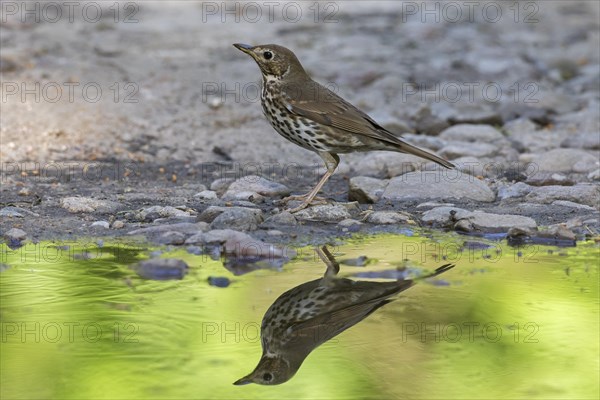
(388, 217)
(581, 194)
(206, 195)
(349, 225)
(239, 218)
(118, 224)
(360, 261)
(257, 184)
(558, 231)
(366, 190)
(16, 212)
(240, 244)
(582, 140)
(156, 212)
(516, 190)
(471, 133)
(545, 178)
(566, 160)
(324, 213)
(183, 227)
(161, 269)
(518, 127)
(88, 205)
(101, 224)
(284, 218)
(171, 237)
(476, 220)
(219, 281)
(467, 149)
(15, 235)
(385, 164)
(220, 185)
(441, 184)
(274, 232)
(565, 203)
(595, 175)
(251, 197)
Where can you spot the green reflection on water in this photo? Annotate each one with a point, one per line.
(512, 323)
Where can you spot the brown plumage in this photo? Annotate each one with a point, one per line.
(313, 117)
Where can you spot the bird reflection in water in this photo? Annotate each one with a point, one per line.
(310, 314)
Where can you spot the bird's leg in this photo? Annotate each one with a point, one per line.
(331, 162)
(333, 267)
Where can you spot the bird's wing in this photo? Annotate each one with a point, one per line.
(319, 104)
(315, 102)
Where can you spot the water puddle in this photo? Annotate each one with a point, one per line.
(95, 320)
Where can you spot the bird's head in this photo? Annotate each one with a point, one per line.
(271, 370)
(273, 60)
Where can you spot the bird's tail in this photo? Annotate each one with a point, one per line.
(417, 151)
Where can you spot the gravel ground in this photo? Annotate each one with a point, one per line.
(145, 117)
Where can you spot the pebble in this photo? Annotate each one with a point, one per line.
(580, 194)
(594, 175)
(365, 189)
(206, 195)
(324, 213)
(241, 244)
(467, 149)
(476, 220)
(566, 160)
(183, 227)
(516, 190)
(15, 235)
(437, 185)
(349, 225)
(239, 218)
(220, 185)
(471, 133)
(385, 164)
(88, 205)
(248, 196)
(161, 269)
(156, 212)
(545, 178)
(101, 224)
(171, 237)
(16, 212)
(219, 281)
(582, 140)
(284, 218)
(388, 217)
(571, 204)
(118, 224)
(256, 184)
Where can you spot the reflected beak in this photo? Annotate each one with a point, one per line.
(245, 380)
(246, 48)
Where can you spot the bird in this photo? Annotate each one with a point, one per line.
(314, 312)
(315, 118)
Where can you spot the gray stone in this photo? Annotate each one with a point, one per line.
(171, 237)
(477, 220)
(558, 231)
(581, 194)
(518, 127)
(471, 133)
(565, 203)
(433, 204)
(206, 195)
(440, 184)
(284, 218)
(365, 189)
(184, 227)
(118, 224)
(238, 218)
(257, 184)
(16, 212)
(154, 212)
(547, 178)
(15, 234)
(251, 197)
(388, 217)
(467, 149)
(594, 175)
(88, 205)
(516, 190)
(324, 213)
(385, 164)
(101, 224)
(566, 160)
(220, 185)
(349, 225)
(582, 140)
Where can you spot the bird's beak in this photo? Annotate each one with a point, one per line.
(246, 48)
(243, 381)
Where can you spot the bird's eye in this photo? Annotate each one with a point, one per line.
(267, 55)
(267, 377)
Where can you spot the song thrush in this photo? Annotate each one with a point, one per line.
(312, 313)
(311, 116)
